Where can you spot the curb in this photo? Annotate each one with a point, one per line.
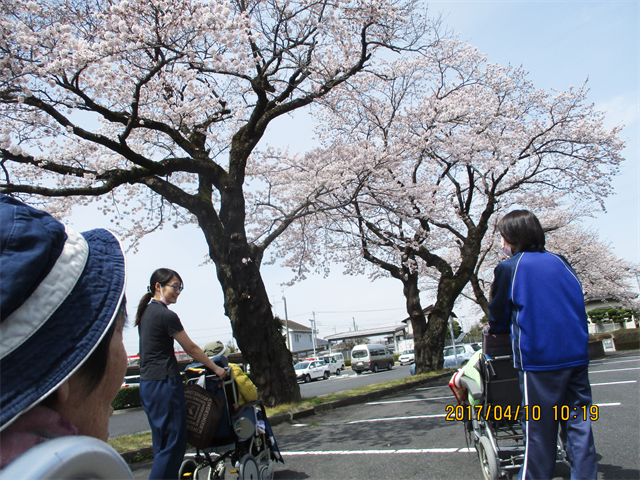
(143, 454)
(137, 456)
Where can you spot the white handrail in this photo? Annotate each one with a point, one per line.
(67, 458)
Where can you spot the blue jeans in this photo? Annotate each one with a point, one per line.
(163, 402)
(549, 389)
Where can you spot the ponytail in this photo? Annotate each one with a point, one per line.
(142, 306)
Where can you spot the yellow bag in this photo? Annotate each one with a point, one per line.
(247, 391)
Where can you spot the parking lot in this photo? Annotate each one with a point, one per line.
(407, 436)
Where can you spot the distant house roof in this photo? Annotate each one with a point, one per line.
(426, 311)
(295, 327)
(604, 298)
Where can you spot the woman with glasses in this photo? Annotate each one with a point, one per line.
(161, 389)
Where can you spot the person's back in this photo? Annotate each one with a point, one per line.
(537, 295)
(549, 323)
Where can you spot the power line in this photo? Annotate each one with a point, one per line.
(349, 311)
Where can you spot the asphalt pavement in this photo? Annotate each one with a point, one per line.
(406, 435)
(134, 420)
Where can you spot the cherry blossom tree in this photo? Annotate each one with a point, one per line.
(154, 109)
(601, 272)
(429, 152)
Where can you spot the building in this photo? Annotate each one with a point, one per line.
(299, 338)
(393, 335)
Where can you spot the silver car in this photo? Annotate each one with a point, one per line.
(407, 357)
(463, 353)
(307, 371)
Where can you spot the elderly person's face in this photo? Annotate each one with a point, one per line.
(90, 413)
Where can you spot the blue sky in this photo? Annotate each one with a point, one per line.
(559, 43)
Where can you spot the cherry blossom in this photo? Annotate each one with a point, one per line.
(154, 110)
(424, 155)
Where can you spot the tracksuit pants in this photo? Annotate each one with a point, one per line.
(546, 390)
(163, 402)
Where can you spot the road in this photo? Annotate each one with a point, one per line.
(126, 422)
(406, 436)
(348, 379)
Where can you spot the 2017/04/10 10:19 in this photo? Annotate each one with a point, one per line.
(529, 412)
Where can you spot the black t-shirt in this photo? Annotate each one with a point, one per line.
(157, 327)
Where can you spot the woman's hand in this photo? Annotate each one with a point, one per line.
(195, 352)
(219, 371)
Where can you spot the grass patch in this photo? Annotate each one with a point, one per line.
(126, 443)
(310, 402)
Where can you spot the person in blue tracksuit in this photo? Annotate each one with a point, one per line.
(537, 295)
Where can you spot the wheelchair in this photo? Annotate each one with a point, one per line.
(494, 423)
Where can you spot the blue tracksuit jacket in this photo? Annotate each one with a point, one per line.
(539, 296)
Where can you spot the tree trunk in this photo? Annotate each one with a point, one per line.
(258, 337)
(245, 298)
(481, 299)
(418, 321)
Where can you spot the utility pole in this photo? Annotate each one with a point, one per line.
(453, 343)
(313, 332)
(355, 327)
(286, 321)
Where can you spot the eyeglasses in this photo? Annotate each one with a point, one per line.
(178, 288)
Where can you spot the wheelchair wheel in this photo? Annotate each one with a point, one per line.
(488, 460)
(188, 469)
(218, 472)
(266, 471)
(561, 448)
(248, 468)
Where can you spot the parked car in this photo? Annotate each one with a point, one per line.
(334, 366)
(407, 357)
(307, 371)
(463, 353)
(339, 358)
(131, 381)
(371, 356)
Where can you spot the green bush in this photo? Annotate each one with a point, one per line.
(626, 334)
(598, 337)
(624, 339)
(610, 314)
(347, 362)
(128, 397)
(396, 356)
(627, 339)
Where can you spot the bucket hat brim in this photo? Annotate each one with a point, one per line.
(50, 349)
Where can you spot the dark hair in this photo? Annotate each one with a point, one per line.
(161, 276)
(522, 229)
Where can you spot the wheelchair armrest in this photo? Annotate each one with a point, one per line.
(71, 457)
(472, 387)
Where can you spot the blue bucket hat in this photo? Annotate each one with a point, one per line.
(60, 291)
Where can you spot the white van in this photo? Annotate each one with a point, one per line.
(335, 362)
(370, 357)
